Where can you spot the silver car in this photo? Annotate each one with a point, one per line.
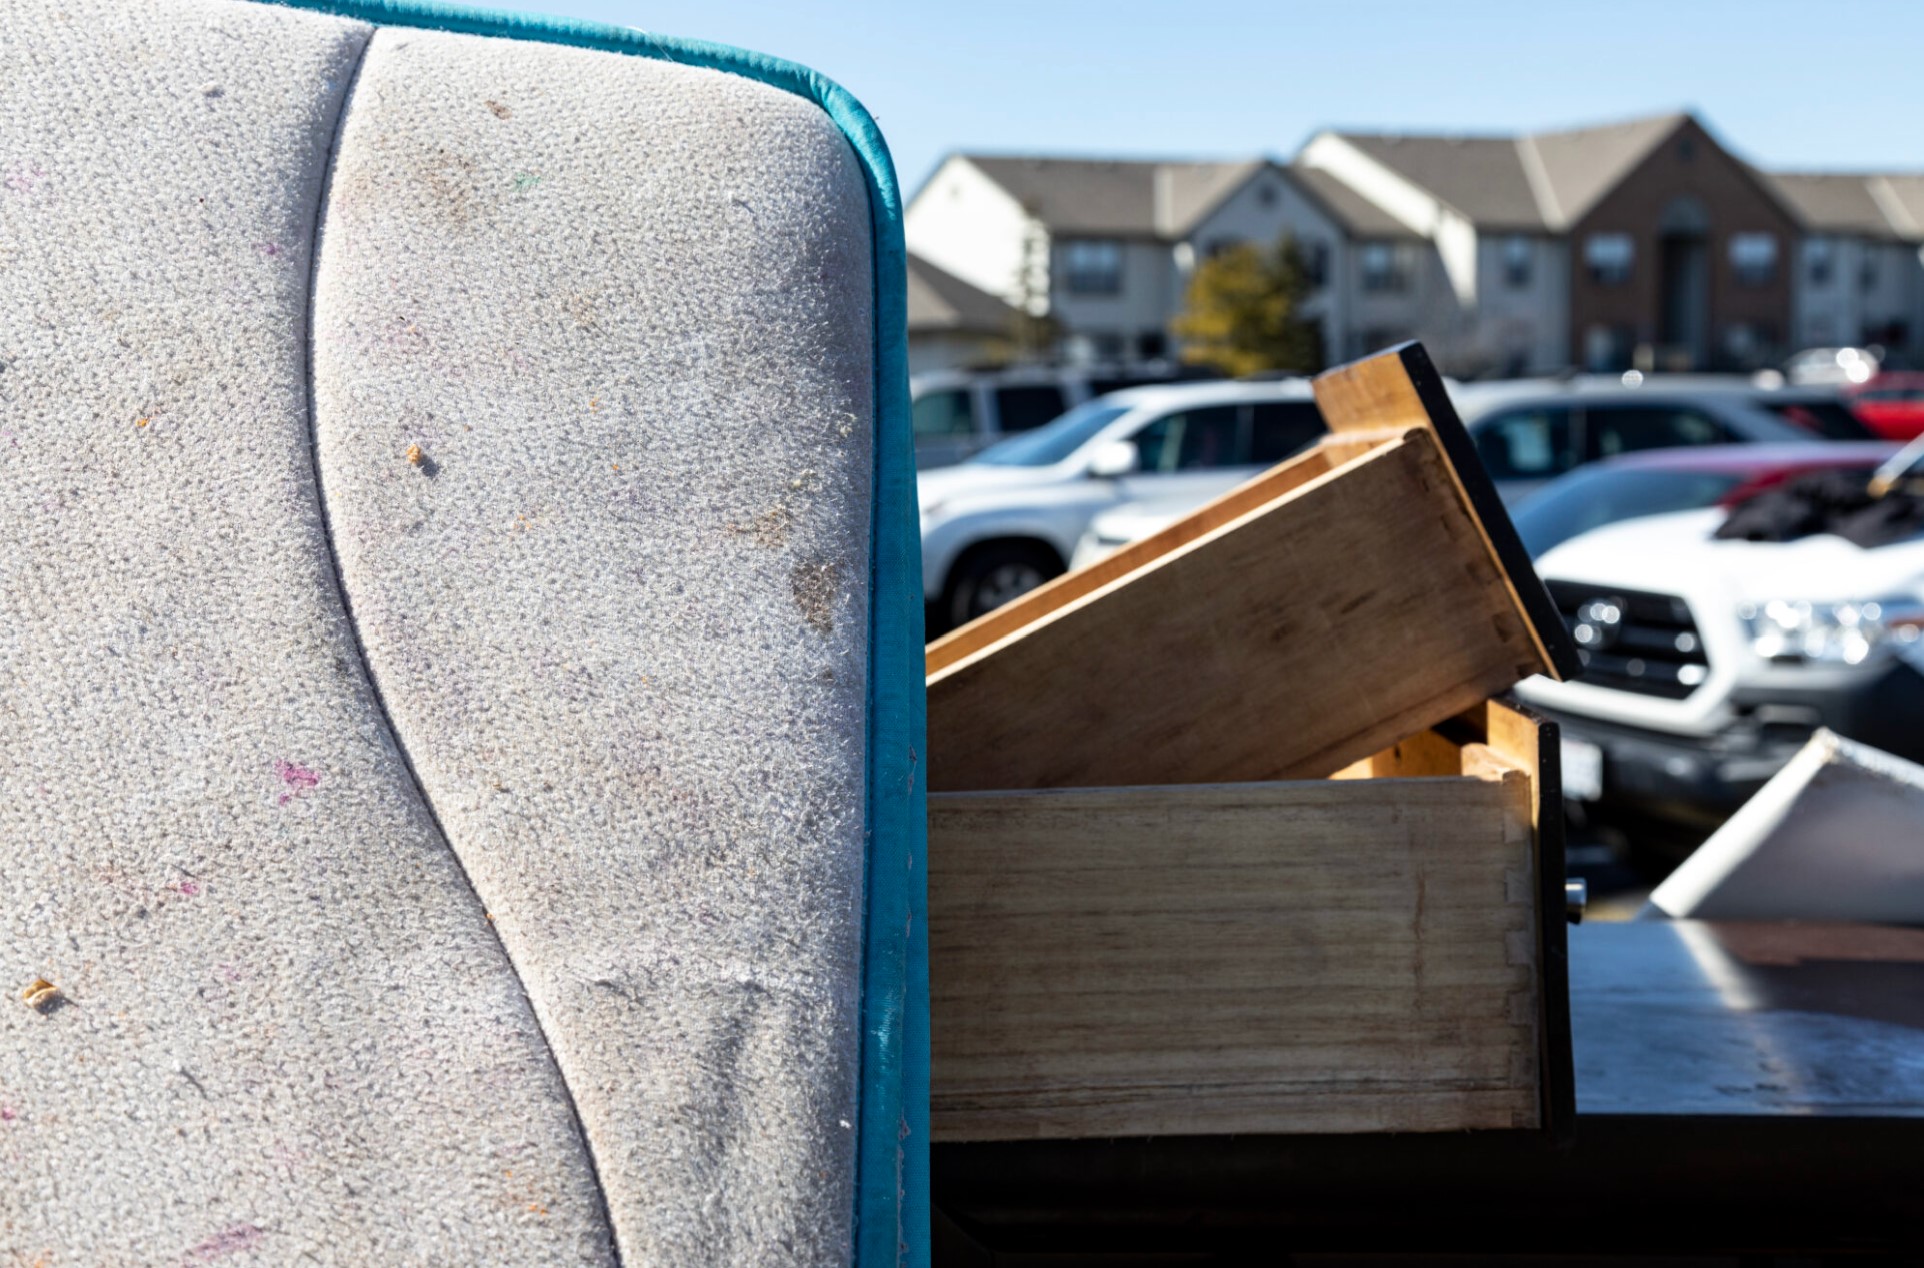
(1529, 432)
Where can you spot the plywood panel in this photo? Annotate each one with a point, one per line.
(1328, 454)
(1320, 956)
(1356, 609)
(1401, 388)
(1487, 740)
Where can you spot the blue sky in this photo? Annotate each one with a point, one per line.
(1834, 84)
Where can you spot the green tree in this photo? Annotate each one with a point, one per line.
(1243, 311)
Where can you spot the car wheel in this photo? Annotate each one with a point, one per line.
(987, 578)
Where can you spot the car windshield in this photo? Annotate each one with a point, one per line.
(1048, 445)
(1590, 499)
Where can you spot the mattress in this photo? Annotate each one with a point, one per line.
(459, 647)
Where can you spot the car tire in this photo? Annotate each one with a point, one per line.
(989, 576)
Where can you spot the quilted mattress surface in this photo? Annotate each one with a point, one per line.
(437, 487)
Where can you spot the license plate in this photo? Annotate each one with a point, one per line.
(1582, 771)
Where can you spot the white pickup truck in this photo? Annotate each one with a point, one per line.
(1710, 661)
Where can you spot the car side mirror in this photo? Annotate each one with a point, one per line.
(1117, 458)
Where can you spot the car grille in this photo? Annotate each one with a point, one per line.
(1631, 640)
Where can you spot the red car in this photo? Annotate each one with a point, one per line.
(1892, 405)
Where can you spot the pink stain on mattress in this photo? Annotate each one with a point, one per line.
(297, 777)
(228, 1241)
(269, 249)
(8, 1113)
(25, 178)
(189, 889)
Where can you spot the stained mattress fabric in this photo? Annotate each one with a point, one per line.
(620, 309)
(283, 1024)
(440, 815)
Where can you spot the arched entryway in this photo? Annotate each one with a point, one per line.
(1683, 282)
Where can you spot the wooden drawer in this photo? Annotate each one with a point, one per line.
(1227, 834)
(1342, 601)
(1342, 955)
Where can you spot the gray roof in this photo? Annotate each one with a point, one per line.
(1118, 197)
(1355, 214)
(1902, 197)
(1833, 201)
(1578, 166)
(1868, 205)
(1481, 176)
(940, 300)
(1538, 182)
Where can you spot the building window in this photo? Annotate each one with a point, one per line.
(1092, 267)
(1867, 271)
(1820, 260)
(1095, 347)
(1265, 196)
(1519, 255)
(1388, 267)
(1315, 263)
(1220, 246)
(1609, 257)
(1754, 257)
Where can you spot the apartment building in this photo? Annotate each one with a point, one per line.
(1858, 279)
(1644, 244)
(1105, 247)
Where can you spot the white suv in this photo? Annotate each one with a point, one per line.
(959, 413)
(1007, 521)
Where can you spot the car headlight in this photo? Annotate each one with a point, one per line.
(1796, 631)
